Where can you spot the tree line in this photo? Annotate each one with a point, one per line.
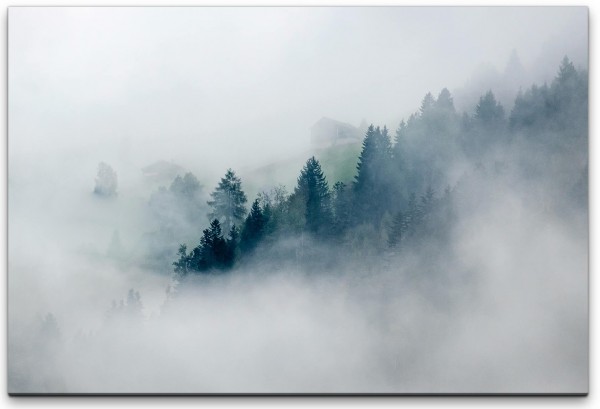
(400, 192)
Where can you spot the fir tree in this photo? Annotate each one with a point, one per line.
(400, 137)
(212, 251)
(253, 228)
(228, 201)
(427, 200)
(412, 215)
(444, 101)
(233, 242)
(312, 196)
(426, 206)
(396, 231)
(566, 72)
(182, 264)
(487, 128)
(488, 110)
(427, 103)
(342, 208)
(373, 181)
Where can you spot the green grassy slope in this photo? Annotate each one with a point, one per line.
(338, 163)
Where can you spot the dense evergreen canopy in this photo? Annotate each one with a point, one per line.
(402, 194)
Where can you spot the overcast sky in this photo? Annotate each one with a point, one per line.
(229, 87)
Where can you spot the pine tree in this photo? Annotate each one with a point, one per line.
(412, 215)
(400, 161)
(212, 251)
(219, 247)
(487, 128)
(313, 197)
(375, 154)
(182, 264)
(488, 110)
(203, 254)
(400, 137)
(366, 161)
(233, 242)
(228, 201)
(385, 143)
(426, 205)
(253, 228)
(396, 231)
(342, 209)
(427, 103)
(427, 200)
(569, 100)
(444, 101)
(267, 211)
(373, 183)
(566, 72)
(549, 113)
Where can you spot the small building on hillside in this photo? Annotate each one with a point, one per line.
(328, 132)
(162, 171)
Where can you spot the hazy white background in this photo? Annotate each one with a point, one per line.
(100, 94)
(188, 84)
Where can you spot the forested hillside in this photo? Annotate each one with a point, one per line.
(407, 183)
(450, 255)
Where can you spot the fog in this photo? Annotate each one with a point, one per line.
(492, 299)
(138, 85)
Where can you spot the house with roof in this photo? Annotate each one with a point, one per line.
(328, 132)
(162, 171)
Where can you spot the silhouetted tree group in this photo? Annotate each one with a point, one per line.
(401, 192)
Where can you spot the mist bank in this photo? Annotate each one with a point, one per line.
(454, 261)
(499, 308)
(135, 86)
(496, 311)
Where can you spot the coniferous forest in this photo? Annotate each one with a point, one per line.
(176, 225)
(402, 194)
